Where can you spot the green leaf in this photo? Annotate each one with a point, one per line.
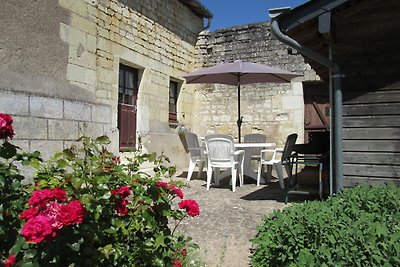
(104, 140)
(111, 230)
(8, 150)
(76, 182)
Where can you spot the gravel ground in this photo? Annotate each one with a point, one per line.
(228, 220)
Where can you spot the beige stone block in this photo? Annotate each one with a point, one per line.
(90, 77)
(104, 33)
(76, 6)
(105, 54)
(80, 56)
(105, 63)
(107, 76)
(104, 44)
(91, 43)
(292, 102)
(115, 21)
(83, 24)
(101, 94)
(87, 87)
(77, 37)
(47, 148)
(76, 73)
(297, 88)
(103, 16)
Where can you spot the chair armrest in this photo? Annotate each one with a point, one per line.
(238, 152)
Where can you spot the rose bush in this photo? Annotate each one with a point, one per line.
(85, 208)
(12, 188)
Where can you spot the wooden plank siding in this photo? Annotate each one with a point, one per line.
(364, 43)
(371, 93)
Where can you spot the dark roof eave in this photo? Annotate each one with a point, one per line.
(198, 8)
(306, 12)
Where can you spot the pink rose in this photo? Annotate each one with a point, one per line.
(191, 207)
(38, 229)
(72, 213)
(6, 129)
(52, 212)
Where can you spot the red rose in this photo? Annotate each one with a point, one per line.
(29, 213)
(191, 207)
(121, 208)
(162, 184)
(59, 194)
(124, 191)
(72, 213)
(38, 229)
(176, 263)
(41, 197)
(6, 129)
(10, 261)
(177, 191)
(184, 252)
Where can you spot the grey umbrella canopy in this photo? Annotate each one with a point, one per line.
(237, 73)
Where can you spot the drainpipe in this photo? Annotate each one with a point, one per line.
(208, 25)
(337, 94)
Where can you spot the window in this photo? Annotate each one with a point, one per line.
(128, 85)
(173, 101)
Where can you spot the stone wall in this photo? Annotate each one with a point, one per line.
(60, 62)
(51, 125)
(273, 109)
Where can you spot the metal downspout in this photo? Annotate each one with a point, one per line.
(337, 101)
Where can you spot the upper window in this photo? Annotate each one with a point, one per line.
(173, 100)
(128, 85)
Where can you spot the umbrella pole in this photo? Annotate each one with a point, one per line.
(239, 121)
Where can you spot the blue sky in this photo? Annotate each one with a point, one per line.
(229, 13)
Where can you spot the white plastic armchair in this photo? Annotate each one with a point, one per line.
(221, 154)
(255, 138)
(196, 154)
(279, 158)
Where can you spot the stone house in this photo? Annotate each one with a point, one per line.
(353, 46)
(114, 67)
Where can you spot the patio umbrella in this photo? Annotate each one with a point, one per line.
(238, 73)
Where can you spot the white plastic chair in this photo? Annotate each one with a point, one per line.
(255, 138)
(221, 154)
(277, 161)
(196, 154)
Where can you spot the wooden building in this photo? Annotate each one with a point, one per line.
(353, 45)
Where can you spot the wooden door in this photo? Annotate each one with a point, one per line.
(127, 106)
(316, 109)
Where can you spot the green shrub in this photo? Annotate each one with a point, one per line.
(360, 227)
